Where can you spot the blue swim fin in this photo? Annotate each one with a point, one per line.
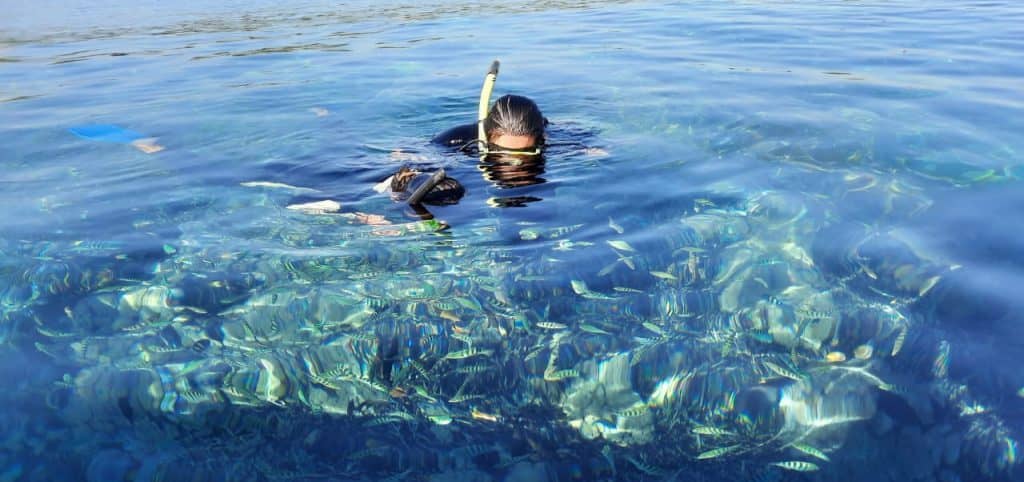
(106, 133)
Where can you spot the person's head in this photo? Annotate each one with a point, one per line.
(515, 123)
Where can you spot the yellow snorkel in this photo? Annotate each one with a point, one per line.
(485, 102)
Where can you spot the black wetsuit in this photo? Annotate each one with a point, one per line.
(457, 136)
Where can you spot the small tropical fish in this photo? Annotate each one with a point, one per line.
(593, 329)
(423, 393)
(893, 388)
(533, 354)
(416, 365)
(901, 338)
(478, 415)
(769, 261)
(812, 451)
(550, 325)
(615, 226)
(712, 431)
(464, 398)
(567, 245)
(580, 288)
(782, 371)
(655, 328)
(467, 353)
(325, 381)
(473, 369)
(450, 316)
(87, 246)
(940, 367)
(710, 454)
(664, 275)
(196, 396)
(469, 303)
(863, 352)
(796, 465)
(628, 261)
(928, 285)
(623, 289)
(444, 305)
(53, 333)
(557, 376)
(634, 411)
(161, 349)
(813, 314)
(529, 234)
(621, 245)
(563, 230)
(392, 417)
(835, 357)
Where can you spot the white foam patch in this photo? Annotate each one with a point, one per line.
(317, 207)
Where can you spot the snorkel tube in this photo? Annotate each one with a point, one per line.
(485, 101)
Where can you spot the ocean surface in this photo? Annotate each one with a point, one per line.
(767, 241)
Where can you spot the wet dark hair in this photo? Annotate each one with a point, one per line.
(517, 116)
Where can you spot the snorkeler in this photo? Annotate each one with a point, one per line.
(514, 126)
(508, 137)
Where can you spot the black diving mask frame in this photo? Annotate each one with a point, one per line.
(488, 148)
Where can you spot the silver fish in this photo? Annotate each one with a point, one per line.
(620, 245)
(812, 451)
(713, 453)
(615, 226)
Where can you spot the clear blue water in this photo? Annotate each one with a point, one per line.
(768, 234)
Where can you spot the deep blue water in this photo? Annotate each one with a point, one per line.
(765, 235)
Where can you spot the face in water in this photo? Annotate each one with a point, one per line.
(514, 126)
(513, 142)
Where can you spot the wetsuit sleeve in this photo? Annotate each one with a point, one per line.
(456, 136)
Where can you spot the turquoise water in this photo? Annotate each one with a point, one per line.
(770, 241)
